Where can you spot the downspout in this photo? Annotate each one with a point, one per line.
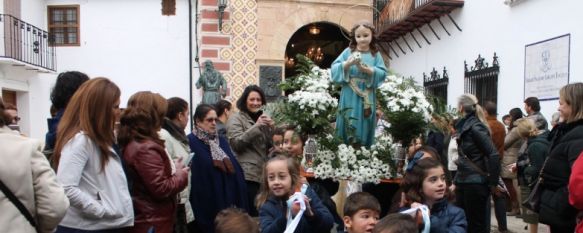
(190, 63)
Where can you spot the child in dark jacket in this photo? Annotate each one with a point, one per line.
(281, 180)
(426, 184)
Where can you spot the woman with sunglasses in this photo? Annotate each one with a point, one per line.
(217, 178)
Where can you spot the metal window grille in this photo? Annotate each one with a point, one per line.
(436, 84)
(481, 80)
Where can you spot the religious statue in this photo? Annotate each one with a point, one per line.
(213, 84)
(359, 69)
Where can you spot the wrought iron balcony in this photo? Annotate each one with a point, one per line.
(25, 45)
(400, 17)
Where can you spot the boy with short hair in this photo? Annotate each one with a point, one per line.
(361, 212)
(396, 223)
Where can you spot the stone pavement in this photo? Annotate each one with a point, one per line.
(516, 225)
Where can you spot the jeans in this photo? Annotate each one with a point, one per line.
(474, 199)
(500, 211)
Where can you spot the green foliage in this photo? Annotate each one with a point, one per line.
(406, 125)
(303, 67)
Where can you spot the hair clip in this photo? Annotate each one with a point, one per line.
(414, 160)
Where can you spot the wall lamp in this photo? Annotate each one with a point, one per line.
(222, 6)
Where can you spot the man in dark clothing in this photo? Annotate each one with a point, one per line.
(66, 85)
(497, 133)
(532, 108)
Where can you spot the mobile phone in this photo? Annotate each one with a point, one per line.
(188, 160)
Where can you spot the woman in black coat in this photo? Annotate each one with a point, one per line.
(478, 165)
(566, 144)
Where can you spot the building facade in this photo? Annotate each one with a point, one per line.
(508, 30)
(134, 43)
(251, 47)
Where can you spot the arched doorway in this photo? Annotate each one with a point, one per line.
(322, 42)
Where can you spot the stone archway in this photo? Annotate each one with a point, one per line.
(321, 42)
(278, 20)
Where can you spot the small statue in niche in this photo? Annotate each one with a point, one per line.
(213, 84)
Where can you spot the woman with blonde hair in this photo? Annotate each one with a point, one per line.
(529, 163)
(478, 164)
(566, 144)
(87, 166)
(155, 180)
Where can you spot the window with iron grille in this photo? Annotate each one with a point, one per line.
(436, 85)
(481, 80)
(64, 25)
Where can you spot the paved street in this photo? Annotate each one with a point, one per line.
(516, 225)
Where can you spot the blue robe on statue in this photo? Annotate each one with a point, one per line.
(211, 189)
(351, 104)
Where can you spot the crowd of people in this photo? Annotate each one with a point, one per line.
(106, 170)
(142, 170)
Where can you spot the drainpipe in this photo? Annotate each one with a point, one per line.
(190, 63)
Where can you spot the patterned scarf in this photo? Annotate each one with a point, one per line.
(220, 158)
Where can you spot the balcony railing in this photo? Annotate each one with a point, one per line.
(26, 43)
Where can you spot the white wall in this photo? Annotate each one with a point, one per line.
(491, 26)
(129, 42)
(17, 78)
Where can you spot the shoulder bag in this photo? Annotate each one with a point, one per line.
(18, 204)
(532, 202)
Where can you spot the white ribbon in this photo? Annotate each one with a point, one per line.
(424, 214)
(292, 224)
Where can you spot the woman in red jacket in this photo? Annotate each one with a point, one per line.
(154, 179)
(576, 190)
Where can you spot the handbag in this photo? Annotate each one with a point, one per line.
(501, 186)
(532, 202)
(18, 204)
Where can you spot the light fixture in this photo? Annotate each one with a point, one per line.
(314, 30)
(289, 62)
(222, 5)
(315, 54)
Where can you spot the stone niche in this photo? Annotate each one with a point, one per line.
(278, 20)
(269, 78)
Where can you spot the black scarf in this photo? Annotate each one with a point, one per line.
(174, 131)
(254, 115)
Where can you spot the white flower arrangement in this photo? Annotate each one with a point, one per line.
(360, 165)
(315, 103)
(405, 104)
(400, 96)
(318, 80)
(311, 107)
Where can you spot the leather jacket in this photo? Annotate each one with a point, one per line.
(475, 143)
(153, 186)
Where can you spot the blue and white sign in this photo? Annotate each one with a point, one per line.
(546, 67)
